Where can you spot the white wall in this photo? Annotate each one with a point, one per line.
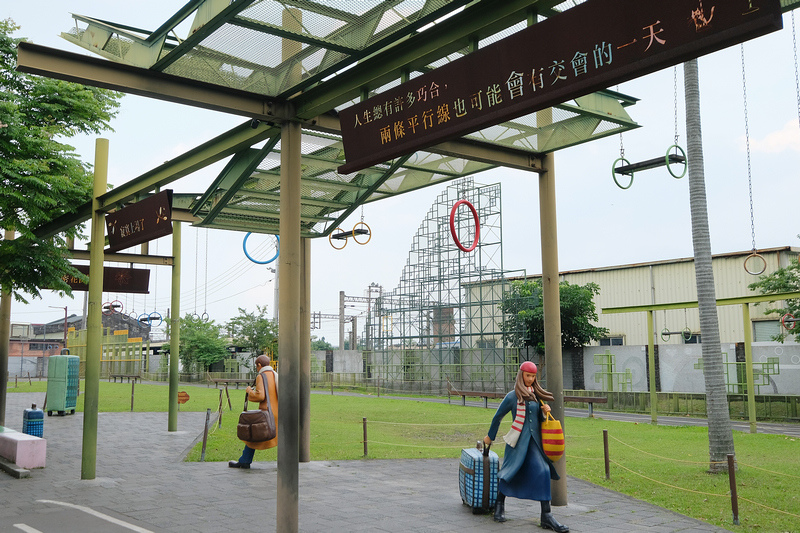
(677, 366)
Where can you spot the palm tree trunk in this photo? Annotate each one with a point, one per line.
(720, 435)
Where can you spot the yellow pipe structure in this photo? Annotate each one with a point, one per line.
(175, 328)
(94, 319)
(552, 309)
(305, 352)
(651, 358)
(289, 331)
(748, 358)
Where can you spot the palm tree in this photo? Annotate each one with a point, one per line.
(720, 434)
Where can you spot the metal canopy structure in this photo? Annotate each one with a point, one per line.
(273, 61)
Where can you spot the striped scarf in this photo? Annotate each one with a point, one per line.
(513, 434)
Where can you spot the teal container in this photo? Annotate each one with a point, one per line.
(62, 384)
(33, 421)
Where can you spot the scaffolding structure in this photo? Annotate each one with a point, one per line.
(440, 327)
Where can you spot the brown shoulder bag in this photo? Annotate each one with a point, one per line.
(257, 425)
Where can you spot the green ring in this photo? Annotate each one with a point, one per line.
(614, 173)
(685, 165)
(665, 334)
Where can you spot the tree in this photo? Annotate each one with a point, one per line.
(254, 331)
(524, 325)
(720, 432)
(320, 344)
(786, 279)
(41, 178)
(201, 344)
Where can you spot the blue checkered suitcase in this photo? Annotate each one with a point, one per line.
(477, 478)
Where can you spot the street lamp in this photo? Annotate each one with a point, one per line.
(65, 321)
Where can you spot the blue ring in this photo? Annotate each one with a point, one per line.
(160, 318)
(268, 261)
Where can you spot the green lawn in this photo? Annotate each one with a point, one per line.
(664, 465)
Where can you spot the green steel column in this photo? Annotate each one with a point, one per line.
(305, 352)
(748, 358)
(289, 330)
(552, 309)
(651, 358)
(175, 328)
(5, 339)
(94, 318)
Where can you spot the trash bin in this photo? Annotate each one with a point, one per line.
(62, 384)
(33, 421)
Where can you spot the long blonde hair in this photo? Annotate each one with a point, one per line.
(525, 395)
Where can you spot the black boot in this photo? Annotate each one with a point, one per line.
(549, 522)
(500, 508)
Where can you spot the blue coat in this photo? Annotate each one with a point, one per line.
(527, 456)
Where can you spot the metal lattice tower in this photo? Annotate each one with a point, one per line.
(442, 322)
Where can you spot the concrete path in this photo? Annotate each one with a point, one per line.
(142, 485)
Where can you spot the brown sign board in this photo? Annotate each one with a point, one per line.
(183, 397)
(127, 280)
(141, 222)
(590, 47)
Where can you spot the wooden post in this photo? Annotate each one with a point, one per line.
(133, 384)
(734, 496)
(205, 436)
(605, 454)
(219, 409)
(364, 422)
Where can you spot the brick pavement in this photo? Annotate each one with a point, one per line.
(142, 485)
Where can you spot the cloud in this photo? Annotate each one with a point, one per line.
(785, 139)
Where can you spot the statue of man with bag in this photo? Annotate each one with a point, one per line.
(258, 429)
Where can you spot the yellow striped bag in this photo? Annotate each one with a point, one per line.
(552, 438)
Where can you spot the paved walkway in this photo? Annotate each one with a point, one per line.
(143, 486)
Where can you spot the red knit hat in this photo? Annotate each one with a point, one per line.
(528, 366)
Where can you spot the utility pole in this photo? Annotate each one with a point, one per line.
(65, 321)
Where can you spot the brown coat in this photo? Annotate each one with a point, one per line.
(259, 396)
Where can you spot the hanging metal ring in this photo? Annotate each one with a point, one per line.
(268, 261)
(685, 164)
(330, 240)
(755, 271)
(614, 172)
(369, 232)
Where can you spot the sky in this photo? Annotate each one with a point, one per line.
(748, 95)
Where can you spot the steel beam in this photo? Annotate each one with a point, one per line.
(163, 260)
(222, 146)
(480, 20)
(59, 64)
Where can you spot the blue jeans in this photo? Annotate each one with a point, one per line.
(247, 455)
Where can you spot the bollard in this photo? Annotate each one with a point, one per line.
(365, 435)
(205, 436)
(734, 496)
(605, 453)
(133, 384)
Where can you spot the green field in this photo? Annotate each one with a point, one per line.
(663, 465)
